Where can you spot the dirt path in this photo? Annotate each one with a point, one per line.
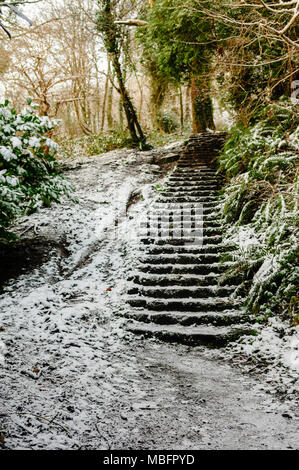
(73, 378)
(180, 400)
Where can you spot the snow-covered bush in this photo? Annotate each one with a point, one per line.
(29, 173)
(262, 197)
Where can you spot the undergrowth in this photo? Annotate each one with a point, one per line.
(260, 210)
(95, 144)
(112, 140)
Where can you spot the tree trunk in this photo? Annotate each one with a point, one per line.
(181, 109)
(110, 35)
(133, 124)
(159, 86)
(121, 115)
(187, 104)
(109, 107)
(105, 95)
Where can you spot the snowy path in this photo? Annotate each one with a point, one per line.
(71, 377)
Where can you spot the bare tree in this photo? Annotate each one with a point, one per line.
(58, 63)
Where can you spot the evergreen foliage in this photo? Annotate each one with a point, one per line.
(178, 43)
(261, 200)
(29, 172)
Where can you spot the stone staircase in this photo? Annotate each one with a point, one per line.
(174, 293)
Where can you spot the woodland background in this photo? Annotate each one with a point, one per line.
(137, 73)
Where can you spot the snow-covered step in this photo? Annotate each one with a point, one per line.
(180, 258)
(150, 279)
(179, 217)
(191, 335)
(226, 317)
(184, 304)
(168, 249)
(212, 225)
(187, 225)
(188, 176)
(204, 210)
(190, 185)
(178, 292)
(172, 206)
(196, 174)
(212, 200)
(190, 190)
(195, 241)
(201, 196)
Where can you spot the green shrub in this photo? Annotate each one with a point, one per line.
(111, 140)
(96, 144)
(262, 198)
(29, 173)
(167, 122)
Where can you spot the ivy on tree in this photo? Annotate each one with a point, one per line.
(180, 56)
(111, 37)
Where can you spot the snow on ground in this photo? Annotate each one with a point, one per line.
(275, 349)
(71, 377)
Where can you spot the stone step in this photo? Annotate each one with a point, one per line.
(184, 166)
(186, 197)
(186, 157)
(146, 279)
(192, 210)
(182, 241)
(191, 165)
(196, 181)
(172, 206)
(180, 258)
(184, 268)
(190, 185)
(179, 202)
(200, 335)
(226, 317)
(169, 249)
(198, 201)
(186, 225)
(170, 229)
(201, 196)
(213, 226)
(200, 188)
(167, 217)
(178, 292)
(190, 156)
(198, 169)
(214, 179)
(208, 209)
(184, 304)
(195, 175)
